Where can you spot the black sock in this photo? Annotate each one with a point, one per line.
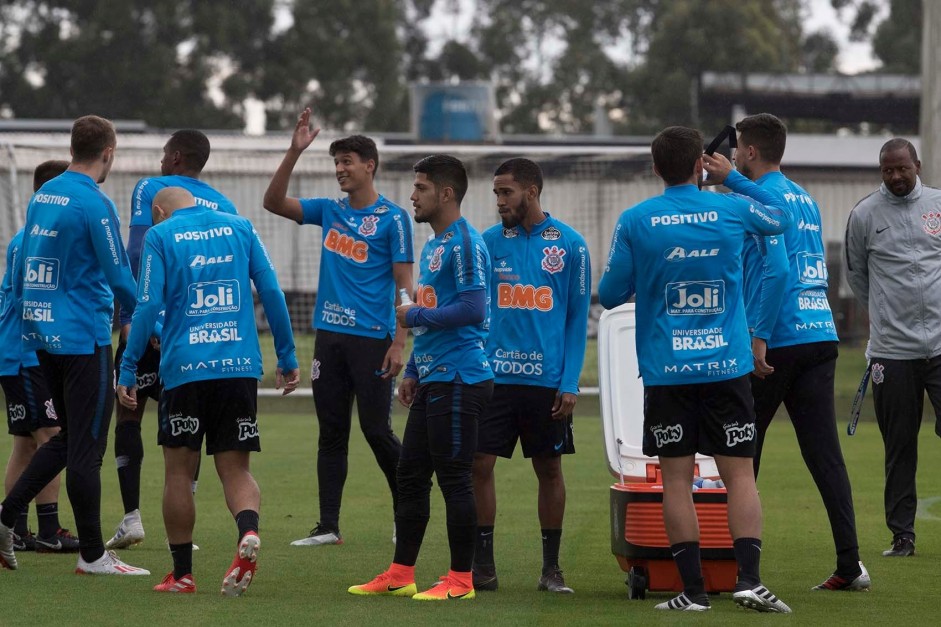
(129, 454)
(247, 520)
(483, 554)
(21, 526)
(48, 515)
(748, 556)
(688, 562)
(182, 559)
(551, 539)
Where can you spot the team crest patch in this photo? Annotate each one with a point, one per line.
(932, 222)
(447, 236)
(368, 226)
(551, 234)
(878, 374)
(51, 411)
(509, 233)
(553, 262)
(315, 370)
(381, 210)
(435, 264)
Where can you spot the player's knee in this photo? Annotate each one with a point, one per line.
(128, 444)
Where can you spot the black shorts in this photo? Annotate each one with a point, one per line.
(524, 413)
(224, 410)
(29, 402)
(709, 418)
(148, 371)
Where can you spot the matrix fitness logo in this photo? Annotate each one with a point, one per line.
(932, 222)
(368, 227)
(553, 261)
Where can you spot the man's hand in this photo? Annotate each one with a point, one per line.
(759, 350)
(303, 135)
(289, 381)
(407, 391)
(127, 396)
(392, 363)
(400, 313)
(563, 405)
(718, 168)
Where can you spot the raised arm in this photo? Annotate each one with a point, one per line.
(276, 199)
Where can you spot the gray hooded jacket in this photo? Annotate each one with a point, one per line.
(893, 263)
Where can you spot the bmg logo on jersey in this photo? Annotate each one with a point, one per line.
(695, 298)
(813, 269)
(213, 297)
(42, 273)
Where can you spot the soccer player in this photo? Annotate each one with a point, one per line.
(184, 156)
(72, 267)
(540, 292)
(893, 261)
(447, 384)
(681, 254)
(210, 362)
(366, 259)
(31, 417)
(794, 340)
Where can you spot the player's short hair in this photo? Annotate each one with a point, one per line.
(897, 143)
(675, 150)
(767, 133)
(192, 145)
(524, 171)
(91, 135)
(48, 170)
(359, 144)
(445, 171)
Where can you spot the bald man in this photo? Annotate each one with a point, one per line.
(198, 265)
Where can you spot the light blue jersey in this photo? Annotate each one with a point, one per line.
(540, 293)
(199, 266)
(72, 267)
(143, 196)
(11, 319)
(453, 262)
(356, 291)
(786, 277)
(681, 253)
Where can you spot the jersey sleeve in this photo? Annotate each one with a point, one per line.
(313, 210)
(401, 237)
(617, 283)
(762, 211)
(468, 265)
(857, 257)
(576, 318)
(774, 282)
(105, 233)
(272, 299)
(141, 201)
(150, 297)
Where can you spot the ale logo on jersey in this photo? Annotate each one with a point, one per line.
(553, 261)
(368, 226)
(212, 297)
(527, 297)
(346, 246)
(426, 296)
(42, 273)
(435, 263)
(201, 261)
(695, 298)
(813, 269)
(678, 253)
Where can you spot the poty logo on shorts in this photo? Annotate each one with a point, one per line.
(878, 374)
(667, 435)
(553, 261)
(42, 273)
(180, 424)
(368, 226)
(435, 263)
(813, 268)
(16, 412)
(736, 434)
(146, 380)
(248, 428)
(695, 298)
(213, 297)
(51, 410)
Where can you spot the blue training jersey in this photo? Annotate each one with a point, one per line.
(356, 290)
(453, 262)
(71, 268)
(786, 277)
(540, 293)
(681, 253)
(143, 196)
(198, 266)
(11, 319)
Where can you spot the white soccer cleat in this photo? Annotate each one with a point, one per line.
(760, 599)
(682, 603)
(7, 556)
(320, 535)
(128, 533)
(107, 564)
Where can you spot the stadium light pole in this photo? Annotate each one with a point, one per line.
(930, 123)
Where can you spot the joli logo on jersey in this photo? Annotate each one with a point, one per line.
(694, 298)
(813, 269)
(42, 273)
(213, 297)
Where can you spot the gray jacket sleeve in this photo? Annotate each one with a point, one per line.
(857, 255)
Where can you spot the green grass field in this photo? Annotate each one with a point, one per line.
(304, 585)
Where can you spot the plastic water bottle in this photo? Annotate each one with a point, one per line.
(405, 299)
